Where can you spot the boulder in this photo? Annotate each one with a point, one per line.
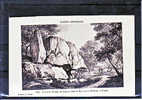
(29, 70)
(42, 71)
(45, 71)
(32, 70)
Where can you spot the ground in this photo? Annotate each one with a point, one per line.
(93, 81)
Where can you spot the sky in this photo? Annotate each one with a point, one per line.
(77, 33)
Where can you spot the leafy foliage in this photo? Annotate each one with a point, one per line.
(109, 35)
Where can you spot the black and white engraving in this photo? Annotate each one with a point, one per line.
(63, 56)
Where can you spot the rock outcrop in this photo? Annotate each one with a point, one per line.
(57, 50)
(50, 51)
(37, 50)
(75, 58)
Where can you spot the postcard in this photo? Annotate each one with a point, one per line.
(72, 56)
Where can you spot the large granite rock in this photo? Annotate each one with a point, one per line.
(54, 51)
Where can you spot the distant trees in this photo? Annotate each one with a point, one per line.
(86, 52)
(106, 47)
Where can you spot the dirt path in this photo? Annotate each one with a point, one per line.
(103, 80)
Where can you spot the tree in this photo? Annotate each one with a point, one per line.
(86, 51)
(109, 34)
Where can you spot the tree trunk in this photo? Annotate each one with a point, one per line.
(118, 73)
